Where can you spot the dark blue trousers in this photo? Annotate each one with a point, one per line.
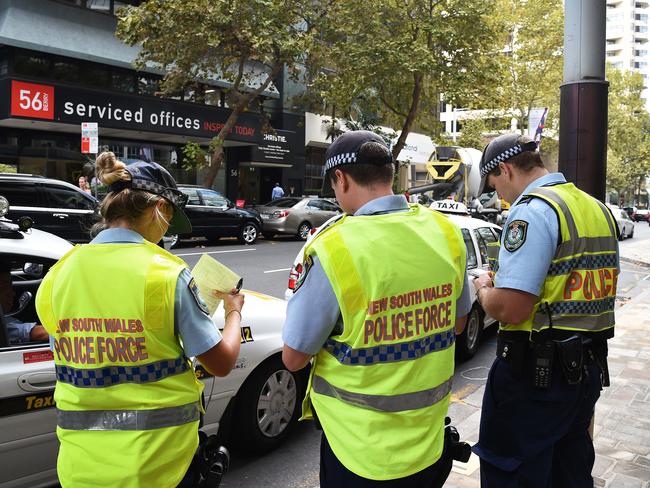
(537, 438)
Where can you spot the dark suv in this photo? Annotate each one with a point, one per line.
(213, 216)
(54, 205)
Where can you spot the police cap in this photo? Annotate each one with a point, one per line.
(354, 147)
(499, 150)
(153, 178)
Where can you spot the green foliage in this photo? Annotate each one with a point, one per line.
(628, 141)
(397, 57)
(528, 63)
(244, 42)
(194, 157)
(7, 168)
(472, 134)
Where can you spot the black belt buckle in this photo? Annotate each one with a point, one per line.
(571, 356)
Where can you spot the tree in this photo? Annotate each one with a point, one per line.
(400, 55)
(529, 65)
(245, 42)
(473, 132)
(628, 140)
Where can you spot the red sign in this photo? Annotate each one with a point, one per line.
(37, 356)
(85, 145)
(240, 203)
(32, 100)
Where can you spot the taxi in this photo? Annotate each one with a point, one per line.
(254, 407)
(480, 237)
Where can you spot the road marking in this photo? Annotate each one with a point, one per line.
(213, 252)
(646, 278)
(277, 270)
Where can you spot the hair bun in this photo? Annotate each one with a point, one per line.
(109, 169)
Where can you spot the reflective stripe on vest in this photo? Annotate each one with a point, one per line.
(384, 403)
(128, 419)
(115, 375)
(580, 286)
(396, 278)
(389, 353)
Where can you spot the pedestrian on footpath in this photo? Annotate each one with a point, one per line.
(553, 295)
(277, 192)
(127, 399)
(382, 293)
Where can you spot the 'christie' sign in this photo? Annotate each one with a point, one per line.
(274, 148)
(75, 105)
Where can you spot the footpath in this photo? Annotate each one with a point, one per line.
(622, 420)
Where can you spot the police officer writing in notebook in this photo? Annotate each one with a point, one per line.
(382, 291)
(553, 295)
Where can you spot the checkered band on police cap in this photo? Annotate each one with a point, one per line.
(503, 148)
(345, 150)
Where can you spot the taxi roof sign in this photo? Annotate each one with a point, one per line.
(450, 207)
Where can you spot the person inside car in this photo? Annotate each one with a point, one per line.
(128, 402)
(18, 332)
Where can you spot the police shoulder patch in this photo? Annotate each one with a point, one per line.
(194, 289)
(302, 273)
(515, 235)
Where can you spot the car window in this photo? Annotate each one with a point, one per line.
(625, 215)
(20, 195)
(482, 245)
(62, 197)
(329, 206)
(193, 196)
(315, 204)
(282, 202)
(213, 199)
(471, 253)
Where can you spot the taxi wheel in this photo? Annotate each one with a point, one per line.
(303, 231)
(268, 407)
(467, 343)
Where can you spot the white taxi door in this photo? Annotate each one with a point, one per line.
(28, 443)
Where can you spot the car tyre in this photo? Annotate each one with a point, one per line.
(248, 233)
(467, 343)
(303, 231)
(631, 233)
(268, 407)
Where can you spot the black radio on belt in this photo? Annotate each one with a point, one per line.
(543, 363)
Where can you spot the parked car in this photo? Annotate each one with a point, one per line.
(625, 224)
(295, 216)
(214, 216)
(255, 406)
(55, 206)
(641, 215)
(478, 235)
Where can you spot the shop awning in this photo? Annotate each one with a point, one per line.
(79, 33)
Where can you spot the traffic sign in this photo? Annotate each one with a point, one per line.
(89, 137)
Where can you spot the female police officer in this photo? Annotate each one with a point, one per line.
(124, 315)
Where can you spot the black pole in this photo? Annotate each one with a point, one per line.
(583, 135)
(583, 97)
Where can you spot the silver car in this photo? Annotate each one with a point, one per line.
(295, 216)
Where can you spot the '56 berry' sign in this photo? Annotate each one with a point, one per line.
(32, 100)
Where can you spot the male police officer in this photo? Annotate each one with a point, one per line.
(382, 292)
(554, 297)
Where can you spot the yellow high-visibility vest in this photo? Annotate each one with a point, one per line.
(381, 387)
(580, 286)
(127, 399)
